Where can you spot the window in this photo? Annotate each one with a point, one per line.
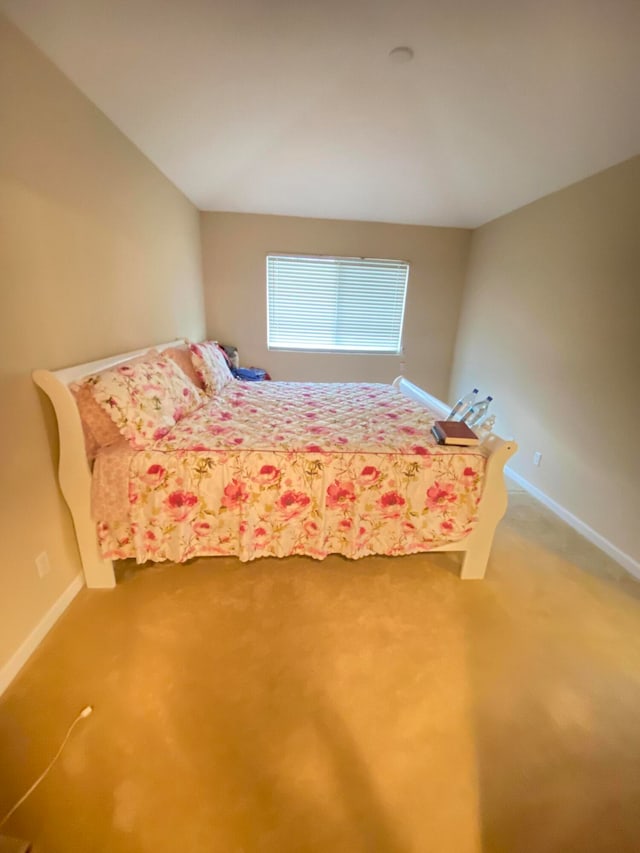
(335, 304)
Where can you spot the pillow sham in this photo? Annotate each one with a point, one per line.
(98, 428)
(211, 366)
(145, 399)
(182, 357)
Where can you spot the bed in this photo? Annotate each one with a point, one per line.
(275, 469)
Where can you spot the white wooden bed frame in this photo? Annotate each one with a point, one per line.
(74, 471)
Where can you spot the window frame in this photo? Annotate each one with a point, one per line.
(338, 350)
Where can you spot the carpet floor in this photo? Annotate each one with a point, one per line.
(383, 705)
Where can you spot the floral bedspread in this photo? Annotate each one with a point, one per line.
(276, 468)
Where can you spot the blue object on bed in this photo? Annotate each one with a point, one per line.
(249, 374)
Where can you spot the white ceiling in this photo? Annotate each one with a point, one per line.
(293, 107)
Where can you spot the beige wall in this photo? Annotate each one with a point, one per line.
(99, 254)
(551, 327)
(234, 250)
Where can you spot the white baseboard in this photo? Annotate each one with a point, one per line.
(625, 560)
(15, 663)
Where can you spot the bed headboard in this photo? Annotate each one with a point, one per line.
(68, 375)
(73, 468)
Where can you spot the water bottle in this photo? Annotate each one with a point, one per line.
(485, 427)
(462, 406)
(477, 412)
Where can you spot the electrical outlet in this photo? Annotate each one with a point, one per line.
(42, 564)
(537, 458)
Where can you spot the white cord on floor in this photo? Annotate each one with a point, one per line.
(81, 716)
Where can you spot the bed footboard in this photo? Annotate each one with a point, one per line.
(492, 508)
(477, 546)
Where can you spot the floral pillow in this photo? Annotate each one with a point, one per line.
(211, 366)
(98, 428)
(146, 398)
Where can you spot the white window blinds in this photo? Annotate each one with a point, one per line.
(335, 304)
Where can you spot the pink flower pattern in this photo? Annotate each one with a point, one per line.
(211, 366)
(369, 475)
(146, 398)
(340, 494)
(268, 474)
(292, 503)
(293, 485)
(235, 493)
(441, 494)
(154, 475)
(180, 504)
